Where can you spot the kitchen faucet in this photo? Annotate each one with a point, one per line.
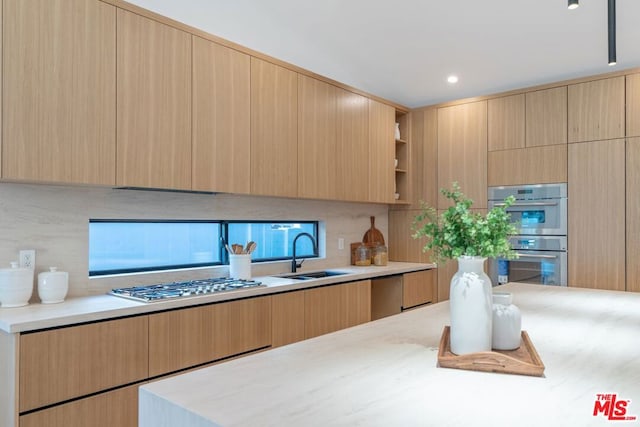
(294, 264)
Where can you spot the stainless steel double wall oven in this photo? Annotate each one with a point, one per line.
(540, 215)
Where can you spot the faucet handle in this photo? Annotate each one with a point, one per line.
(299, 264)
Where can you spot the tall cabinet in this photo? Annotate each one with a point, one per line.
(59, 97)
(381, 152)
(596, 234)
(153, 105)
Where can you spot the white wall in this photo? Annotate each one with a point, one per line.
(54, 220)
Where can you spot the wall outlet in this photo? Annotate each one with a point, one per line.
(28, 258)
(340, 243)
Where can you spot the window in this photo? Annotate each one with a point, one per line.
(275, 240)
(128, 246)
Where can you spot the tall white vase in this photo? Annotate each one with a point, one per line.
(470, 302)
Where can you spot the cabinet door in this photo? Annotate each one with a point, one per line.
(633, 105)
(274, 127)
(183, 338)
(154, 104)
(423, 168)
(221, 125)
(546, 117)
(114, 408)
(352, 151)
(287, 321)
(506, 122)
(633, 214)
(64, 363)
(418, 288)
(381, 152)
(316, 139)
(596, 110)
(596, 245)
(462, 151)
(59, 91)
(331, 308)
(402, 246)
(358, 296)
(544, 164)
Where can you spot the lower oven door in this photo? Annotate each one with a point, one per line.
(538, 267)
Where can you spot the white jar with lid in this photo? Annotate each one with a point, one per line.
(53, 285)
(507, 322)
(16, 286)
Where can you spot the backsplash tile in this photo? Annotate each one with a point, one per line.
(54, 220)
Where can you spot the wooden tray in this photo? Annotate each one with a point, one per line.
(522, 361)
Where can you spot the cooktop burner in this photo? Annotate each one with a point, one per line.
(164, 291)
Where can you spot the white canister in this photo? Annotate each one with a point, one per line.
(16, 286)
(507, 322)
(240, 266)
(53, 285)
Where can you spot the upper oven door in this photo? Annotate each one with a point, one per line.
(538, 210)
(546, 217)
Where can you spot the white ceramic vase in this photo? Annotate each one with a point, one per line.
(397, 131)
(507, 322)
(470, 302)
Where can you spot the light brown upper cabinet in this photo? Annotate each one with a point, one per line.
(506, 122)
(59, 91)
(381, 152)
(534, 165)
(462, 151)
(274, 130)
(596, 110)
(596, 245)
(546, 117)
(316, 138)
(352, 155)
(633, 105)
(154, 104)
(221, 111)
(633, 214)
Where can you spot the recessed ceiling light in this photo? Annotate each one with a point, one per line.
(573, 4)
(452, 79)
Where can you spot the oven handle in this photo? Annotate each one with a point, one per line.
(529, 204)
(520, 254)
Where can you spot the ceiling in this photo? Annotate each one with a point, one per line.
(403, 50)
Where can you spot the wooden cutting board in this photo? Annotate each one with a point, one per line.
(373, 235)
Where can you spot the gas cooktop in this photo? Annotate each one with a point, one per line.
(189, 288)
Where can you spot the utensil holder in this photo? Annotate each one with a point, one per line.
(240, 266)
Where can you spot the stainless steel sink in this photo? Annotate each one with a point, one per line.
(312, 275)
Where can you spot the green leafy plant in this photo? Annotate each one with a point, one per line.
(458, 231)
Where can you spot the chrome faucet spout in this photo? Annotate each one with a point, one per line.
(294, 264)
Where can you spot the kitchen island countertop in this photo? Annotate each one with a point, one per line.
(384, 373)
(102, 307)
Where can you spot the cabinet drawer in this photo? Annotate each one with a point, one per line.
(61, 364)
(418, 288)
(115, 408)
(183, 338)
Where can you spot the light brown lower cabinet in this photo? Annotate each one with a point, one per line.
(287, 320)
(61, 364)
(191, 336)
(418, 288)
(115, 408)
(331, 308)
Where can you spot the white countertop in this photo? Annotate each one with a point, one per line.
(101, 307)
(384, 373)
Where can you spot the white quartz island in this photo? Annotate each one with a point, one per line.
(384, 373)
